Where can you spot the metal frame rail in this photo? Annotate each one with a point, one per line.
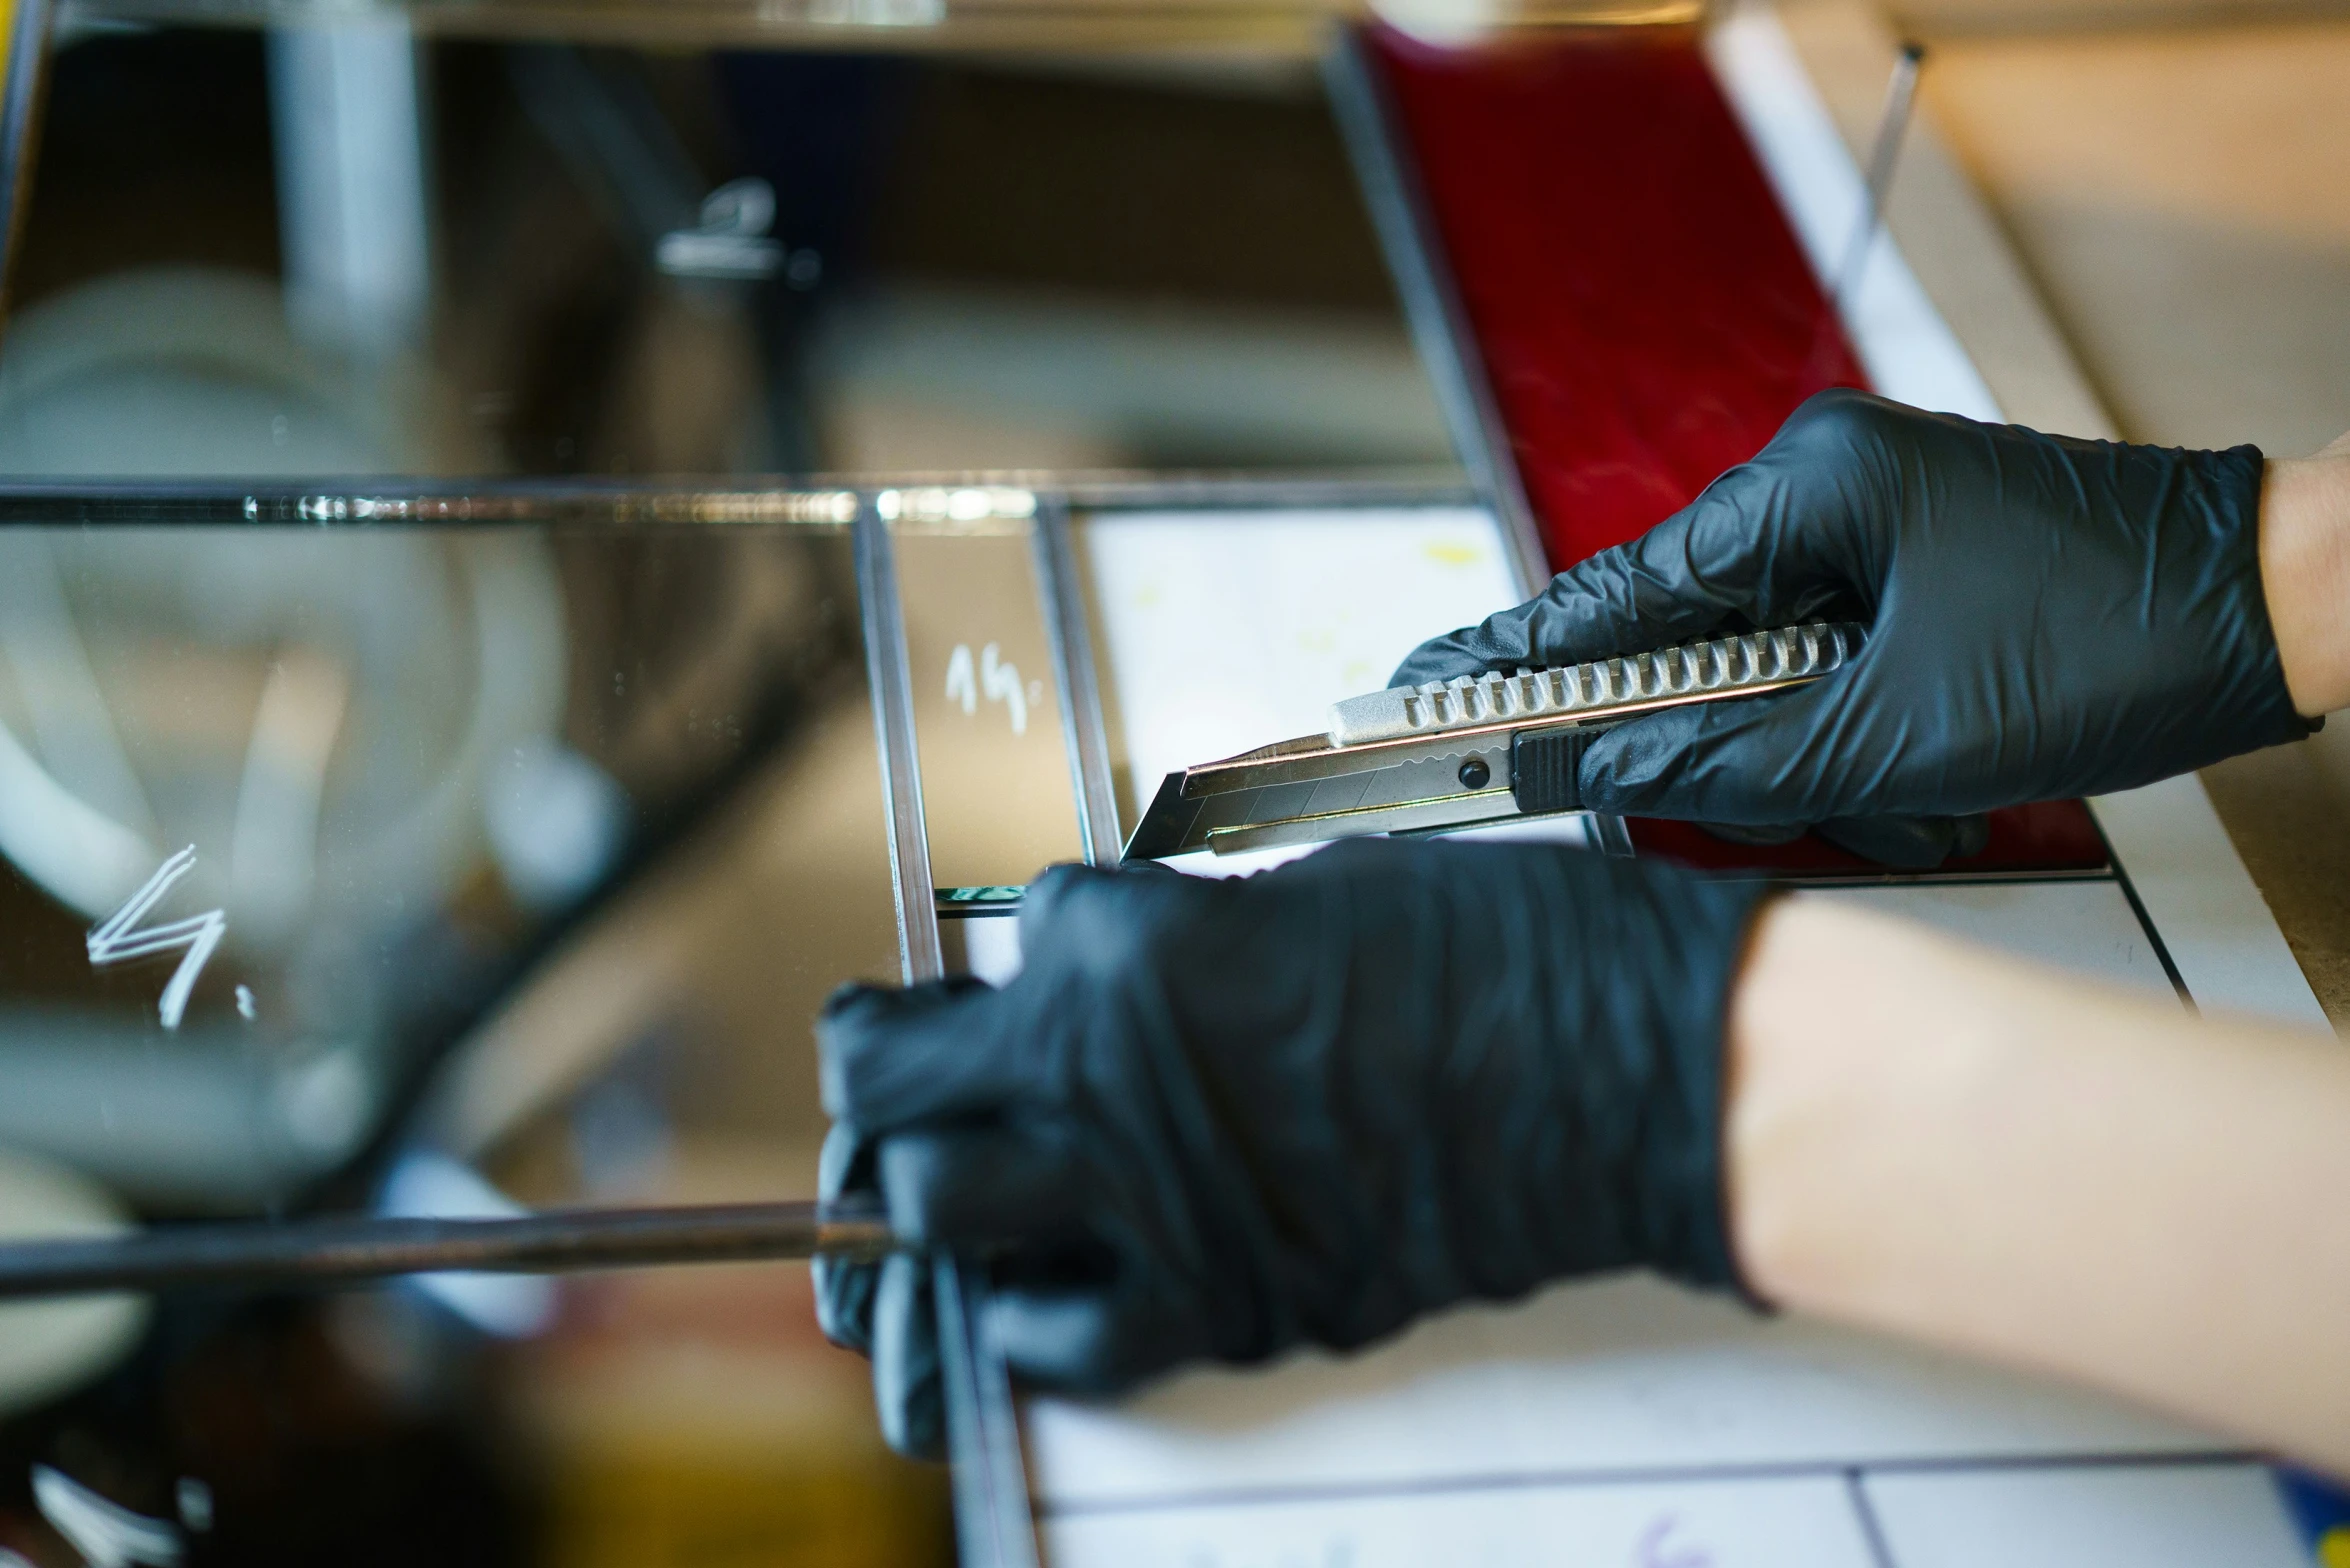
(993, 1525)
(1071, 635)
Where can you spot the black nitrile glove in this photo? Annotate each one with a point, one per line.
(2048, 618)
(1222, 1118)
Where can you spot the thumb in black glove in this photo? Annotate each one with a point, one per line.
(2048, 618)
(1223, 1118)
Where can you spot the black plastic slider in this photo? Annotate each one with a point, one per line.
(1544, 766)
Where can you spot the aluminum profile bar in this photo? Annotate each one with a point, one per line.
(571, 502)
(890, 678)
(1071, 636)
(993, 1527)
(993, 1522)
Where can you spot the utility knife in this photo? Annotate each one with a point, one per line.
(1464, 753)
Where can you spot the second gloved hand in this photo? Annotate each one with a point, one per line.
(1216, 1119)
(2048, 618)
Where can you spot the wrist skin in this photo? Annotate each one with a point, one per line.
(2305, 574)
(1935, 1141)
(1956, 1147)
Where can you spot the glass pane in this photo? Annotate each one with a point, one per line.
(996, 789)
(569, 260)
(490, 866)
(1217, 631)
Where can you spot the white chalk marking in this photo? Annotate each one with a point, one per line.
(119, 940)
(993, 676)
(103, 1531)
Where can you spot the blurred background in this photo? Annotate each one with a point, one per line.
(356, 252)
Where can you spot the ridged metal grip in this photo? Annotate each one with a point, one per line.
(1718, 666)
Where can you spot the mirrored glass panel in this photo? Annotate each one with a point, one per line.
(349, 249)
(420, 871)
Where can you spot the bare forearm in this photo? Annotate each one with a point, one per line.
(2305, 572)
(1939, 1142)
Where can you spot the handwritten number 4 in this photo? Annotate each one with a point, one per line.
(121, 939)
(994, 675)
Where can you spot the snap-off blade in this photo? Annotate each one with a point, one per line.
(1723, 665)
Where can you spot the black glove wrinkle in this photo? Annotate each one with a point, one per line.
(2050, 617)
(1305, 1107)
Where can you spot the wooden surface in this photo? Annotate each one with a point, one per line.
(2007, 18)
(2182, 197)
(2144, 231)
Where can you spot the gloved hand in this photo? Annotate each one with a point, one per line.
(1221, 1118)
(2049, 618)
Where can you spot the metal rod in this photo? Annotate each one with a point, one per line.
(563, 503)
(1884, 154)
(343, 1251)
(1081, 697)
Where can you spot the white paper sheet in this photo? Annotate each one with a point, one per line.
(1227, 630)
(2144, 1516)
(1689, 1524)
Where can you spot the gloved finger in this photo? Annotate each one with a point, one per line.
(1096, 1339)
(1055, 1338)
(1905, 843)
(1769, 543)
(844, 1290)
(1788, 757)
(979, 1189)
(1058, 885)
(890, 1058)
(1970, 835)
(844, 1302)
(844, 1166)
(907, 1394)
(1079, 908)
(850, 994)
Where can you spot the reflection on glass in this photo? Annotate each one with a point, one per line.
(434, 872)
(996, 789)
(567, 260)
